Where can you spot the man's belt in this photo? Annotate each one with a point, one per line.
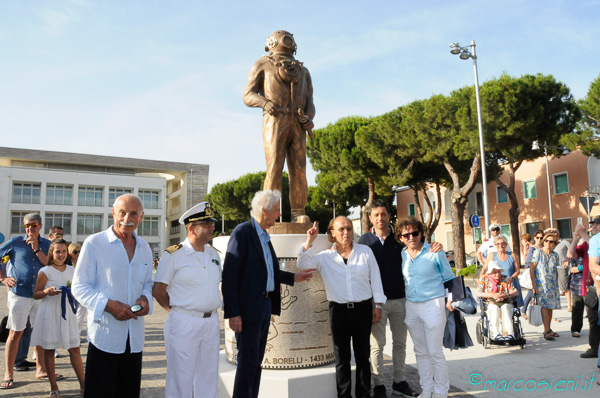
(197, 314)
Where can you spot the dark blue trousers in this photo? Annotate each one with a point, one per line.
(251, 343)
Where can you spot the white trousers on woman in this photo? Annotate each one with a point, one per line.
(425, 322)
(192, 350)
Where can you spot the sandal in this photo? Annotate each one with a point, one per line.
(553, 333)
(58, 377)
(55, 393)
(7, 384)
(548, 335)
(525, 316)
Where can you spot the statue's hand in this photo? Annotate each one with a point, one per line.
(270, 108)
(306, 123)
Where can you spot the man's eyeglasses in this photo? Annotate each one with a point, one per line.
(550, 241)
(32, 225)
(501, 244)
(349, 229)
(414, 234)
(495, 229)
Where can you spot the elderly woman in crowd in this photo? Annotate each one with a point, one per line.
(497, 289)
(507, 262)
(544, 279)
(424, 275)
(355, 294)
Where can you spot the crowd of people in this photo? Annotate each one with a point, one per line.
(392, 275)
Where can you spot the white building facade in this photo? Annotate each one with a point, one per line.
(76, 192)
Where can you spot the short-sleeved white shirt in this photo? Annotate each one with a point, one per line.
(192, 277)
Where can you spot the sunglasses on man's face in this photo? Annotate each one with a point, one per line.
(414, 234)
(32, 225)
(495, 229)
(550, 241)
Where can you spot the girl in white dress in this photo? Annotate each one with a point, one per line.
(52, 331)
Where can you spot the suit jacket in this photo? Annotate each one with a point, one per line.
(245, 276)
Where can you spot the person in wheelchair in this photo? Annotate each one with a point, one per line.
(498, 292)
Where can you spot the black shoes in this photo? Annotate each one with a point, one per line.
(379, 392)
(403, 389)
(590, 354)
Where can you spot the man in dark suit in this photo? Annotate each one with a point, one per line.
(251, 289)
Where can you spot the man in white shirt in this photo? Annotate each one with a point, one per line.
(113, 280)
(187, 285)
(488, 247)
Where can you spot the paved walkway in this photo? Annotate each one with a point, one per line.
(469, 369)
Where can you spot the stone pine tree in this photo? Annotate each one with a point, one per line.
(517, 111)
(232, 199)
(587, 135)
(392, 147)
(345, 170)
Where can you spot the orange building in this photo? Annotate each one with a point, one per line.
(571, 176)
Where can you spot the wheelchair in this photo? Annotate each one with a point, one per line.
(483, 327)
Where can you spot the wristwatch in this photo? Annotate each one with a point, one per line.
(36, 251)
(378, 306)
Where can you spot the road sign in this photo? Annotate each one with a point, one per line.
(474, 221)
(587, 202)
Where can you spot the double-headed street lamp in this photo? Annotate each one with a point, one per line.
(535, 146)
(465, 54)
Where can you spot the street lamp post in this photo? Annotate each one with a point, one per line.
(465, 54)
(535, 146)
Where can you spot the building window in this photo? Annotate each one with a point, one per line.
(149, 199)
(111, 219)
(89, 224)
(564, 228)
(175, 227)
(17, 225)
(561, 183)
(114, 193)
(411, 209)
(531, 228)
(174, 241)
(62, 220)
(505, 231)
(501, 195)
(89, 196)
(529, 191)
(26, 193)
(479, 203)
(59, 195)
(148, 226)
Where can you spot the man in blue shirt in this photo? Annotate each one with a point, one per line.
(27, 255)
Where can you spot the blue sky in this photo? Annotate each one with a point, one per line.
(164, 79)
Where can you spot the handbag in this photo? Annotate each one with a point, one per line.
(525, 279)
(535, 312)
(4, 330)
(591, 297)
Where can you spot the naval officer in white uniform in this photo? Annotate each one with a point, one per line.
(187, 285)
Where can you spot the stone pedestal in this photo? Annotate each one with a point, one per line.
(301, 336)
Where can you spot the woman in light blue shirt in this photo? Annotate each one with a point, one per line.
(424, 275)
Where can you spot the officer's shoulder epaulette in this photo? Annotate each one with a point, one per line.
(218, 251)
(174, 248)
